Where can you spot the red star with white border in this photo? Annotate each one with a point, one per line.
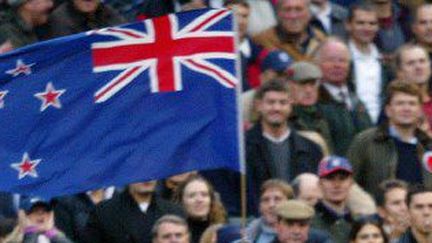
(26, 167)
(50, 97)
(21, 68)
(2, 96)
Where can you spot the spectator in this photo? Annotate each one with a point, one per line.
(170, 229)
(344, 112)
(167, 187)
(332, 214)
(273, 148)
(392, 208)
(186, 5)
(414, 66)
(294, 224)
(129, 216)
(38, 225)
(18, 24)
(394, 29)
(367, 230)
(422, 27)
(272, 193)
(201, 205)
(369, 76)
(329, 17)
(77, 16)
(306, 188)
(419, 201)
(304, 82)
(292, 34)
(72, 212)
(393, 150)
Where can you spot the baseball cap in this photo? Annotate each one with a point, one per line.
(332, 164)
(276, 60)
(29, 203)
(304, 71)
(294, 210)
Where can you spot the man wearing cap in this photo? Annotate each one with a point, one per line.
(18, 24)
(396, 148)
(304, 82)
(332, 214)
(294, 221)
(273, 148)
(39, 222)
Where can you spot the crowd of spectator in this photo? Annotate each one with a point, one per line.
(337, 109)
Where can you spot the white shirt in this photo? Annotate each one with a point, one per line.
(280, 139)
(323, 16)
(336, 91)
(367, 78)
(144, 206)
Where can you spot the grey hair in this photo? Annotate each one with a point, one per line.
(169, 218)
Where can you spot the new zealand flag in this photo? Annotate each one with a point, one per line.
(118, 105)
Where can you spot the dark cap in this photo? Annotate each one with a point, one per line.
(29, 203)
(276, 60)
(332, 164)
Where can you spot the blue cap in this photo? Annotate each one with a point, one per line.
(332, 164)
(276, 60)
(28, 203)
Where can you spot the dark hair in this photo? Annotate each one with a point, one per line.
(358, 225)
(363, 6)
(217, 212)
(386, 186)
(236, 2)
(272, 85)
(414, 190)
(402, 87)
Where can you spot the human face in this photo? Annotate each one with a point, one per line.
(310, 192)
(193, 4)
(306, 93)
(363, 27)
(242, 17)
(395, 208)
(335, 187)
(39, 216)
(275, 108)
(422, 27)
(269, 200)
(293, 231)
(404, 110)
(414, 66)
(420, 210)
(142, 188)
(293, 15)
(39, 11)
(334, 63)
(369, 233)
(172, 233)
(196, 199)
(86, 6)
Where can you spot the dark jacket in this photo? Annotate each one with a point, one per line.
(67, 20)
(120, 220)
(338, 227)
(407, 237)
(58, 238)
(7, 208)
(338, 16)
(344, 124)
(14, 29)
(315, 236)
(374, 157)
(305, 156)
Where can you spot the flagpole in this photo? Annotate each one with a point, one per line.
(242, 157)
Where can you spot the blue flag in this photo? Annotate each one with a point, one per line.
(118, 105)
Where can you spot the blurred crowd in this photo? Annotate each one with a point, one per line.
(337, 111)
